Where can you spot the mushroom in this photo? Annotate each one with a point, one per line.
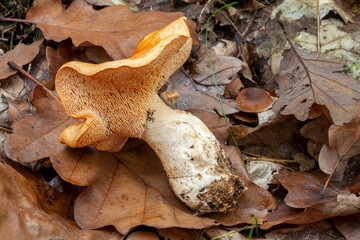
(254, 100)
(119, 99)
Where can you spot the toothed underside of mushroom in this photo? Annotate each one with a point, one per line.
(126, 86)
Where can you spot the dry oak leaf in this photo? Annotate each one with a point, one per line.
(344, 143)
(312, 77)
(25, 212)
(318, 230)
(131, 189)
(304, 188)
(304, 202)
(116, 28)
(22, 54)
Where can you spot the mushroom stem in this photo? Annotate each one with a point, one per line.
(199, 170)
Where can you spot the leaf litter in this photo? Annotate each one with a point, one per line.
(115, 193)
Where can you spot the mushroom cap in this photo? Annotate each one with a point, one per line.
(254, 100)
(113, 97)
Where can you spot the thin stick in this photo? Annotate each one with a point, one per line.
(18, 68)
(17, 20)
(322, 194)
(6, 129)
(318, 25)
(249, 24)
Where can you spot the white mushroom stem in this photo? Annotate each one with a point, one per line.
(198, 168)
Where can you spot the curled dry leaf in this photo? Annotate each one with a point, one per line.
(349, 226)
(142, 235)
(344, 143)
(309, 77)
(317, 133)
(306, 205)
(18, 109)
(281, 214)
(320, 230)
(22, 54)
(130, 189)
(28, 214)
(116, 28)
(65, 53)
(225, 69)
(304, 189)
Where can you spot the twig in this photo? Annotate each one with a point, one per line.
(5, 129)
(18, 68)
(318, 25)
(17, 20)
(249, 24)
(257, 157)
(322, 194)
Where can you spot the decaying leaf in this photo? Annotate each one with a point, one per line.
(194, 96)
(320, 230)
(344, 143)
(22, 54)
(304, 192)
(295, 9)
(307, 78)
(116, 28)
(317, 133)
(349, 226)
(111, 3)
(64, 53)
(282, 214)
(142, 235)
(26, 212)
(304, 189)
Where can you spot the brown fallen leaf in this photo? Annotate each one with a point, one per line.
(303, 202)
(194, 96)
(317, 133)
(319, 230)
(131, 189)
(65, 53)
(179, 233)
(18, 109)
(116, 28)
(225, 69)
(312, 77)
(282, 214)
(304, 189)
(26, 212)
(344, 143)
(349, 226)
(346, 204)
(142, 235)
(22, 54)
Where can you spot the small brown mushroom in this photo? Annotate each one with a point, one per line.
(119, 99)
(254, 100)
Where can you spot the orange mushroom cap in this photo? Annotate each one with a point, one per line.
(254, 100)
(113, 97)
